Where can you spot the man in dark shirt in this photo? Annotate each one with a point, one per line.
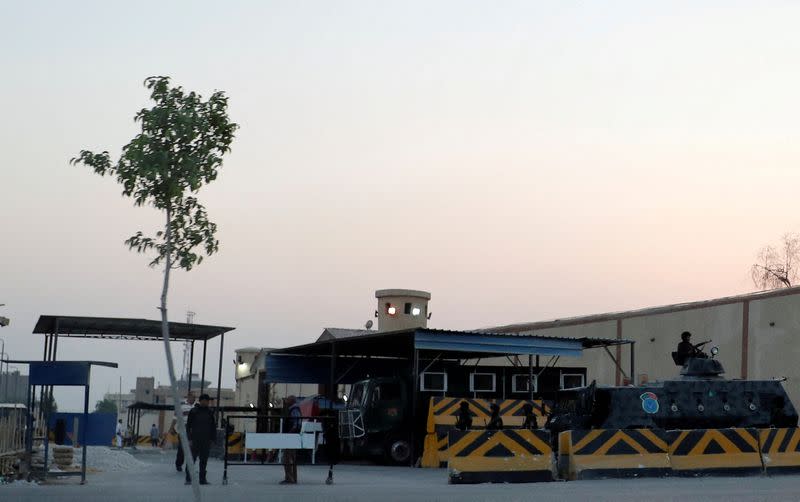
(201, 428)
(293, 425)
(685, 347)
(687, 350)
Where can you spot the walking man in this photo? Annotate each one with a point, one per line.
(201, 428)
(119, 433)
(186, 407)
(154, 436)
(292, 427)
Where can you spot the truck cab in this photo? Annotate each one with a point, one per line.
(377, 421)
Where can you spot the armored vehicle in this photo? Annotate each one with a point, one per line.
(700, 398)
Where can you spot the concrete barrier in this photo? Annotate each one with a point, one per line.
(705, 452)
(780, 450)
(504, 456)
(613, 453)
(442, 418)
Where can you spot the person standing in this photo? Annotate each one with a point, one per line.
(154, 436)
(201, 429)
(530, 418)
(463, 417)
(118, 432)
(186, 407)
(495, 422)
(292, 427)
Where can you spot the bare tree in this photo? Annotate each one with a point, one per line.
(777, 266)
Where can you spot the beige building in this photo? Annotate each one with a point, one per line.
(147, 392)
(758, 336)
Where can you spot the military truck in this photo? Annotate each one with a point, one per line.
(383, 422)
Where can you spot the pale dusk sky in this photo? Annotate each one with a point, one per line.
(521, 161)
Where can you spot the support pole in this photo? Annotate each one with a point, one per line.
(332, 389)
(530, 376)
(219, 379)
(203, 376)
(83, 431)
(633, 365)
(191, 367)
(415, 383)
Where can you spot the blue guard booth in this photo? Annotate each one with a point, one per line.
(44, 375)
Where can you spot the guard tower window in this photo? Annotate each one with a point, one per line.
(572, 380)
(436, 382)
(407, 309)
(391, 309)
(482, 382)
(519, 383)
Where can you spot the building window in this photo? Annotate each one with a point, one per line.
(436, 382)
(481, 382)
(572, 381)
(391, 309)
(519, 383)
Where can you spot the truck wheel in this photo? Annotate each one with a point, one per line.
(398, 451)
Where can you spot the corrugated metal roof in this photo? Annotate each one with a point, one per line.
(394, 343)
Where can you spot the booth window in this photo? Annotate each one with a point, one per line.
(519, 383)
(572, 380)
(482, 382)
(432, 381)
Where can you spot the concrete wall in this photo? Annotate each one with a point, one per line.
(771, 350)
(774, 351)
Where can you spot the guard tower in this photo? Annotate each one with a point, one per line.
(402, 309)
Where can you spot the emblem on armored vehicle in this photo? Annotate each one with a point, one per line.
(649, 402)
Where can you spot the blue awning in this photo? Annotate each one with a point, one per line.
(282, 368)
(497, 344)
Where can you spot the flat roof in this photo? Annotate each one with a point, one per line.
(56, 363)
(461, 344)
(118, 328)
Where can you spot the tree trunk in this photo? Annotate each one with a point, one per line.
(184, 440)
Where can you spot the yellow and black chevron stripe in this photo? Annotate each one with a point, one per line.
(235, 443)
(443, 411)
(714, 451)
(505, 456)
(780, 450)
(613, 453)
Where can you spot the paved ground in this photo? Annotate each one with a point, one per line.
(158, 481)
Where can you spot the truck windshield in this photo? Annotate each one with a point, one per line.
(357, 395)
(387, 391)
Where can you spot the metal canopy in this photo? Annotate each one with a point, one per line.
(456, 344)
(115, 328)
(497, 344)
(47, 374)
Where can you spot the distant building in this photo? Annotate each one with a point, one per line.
(13, 387)
(147, 392)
